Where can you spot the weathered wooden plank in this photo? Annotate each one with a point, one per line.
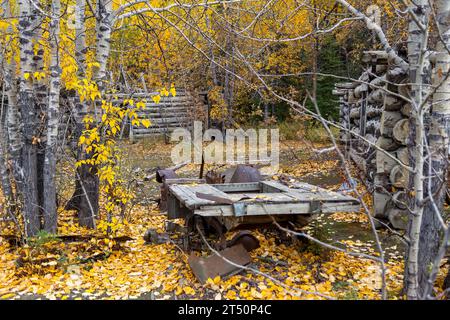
(283, 197)
(256, 209)
(305, 192)
(188, 194)
(238, 187)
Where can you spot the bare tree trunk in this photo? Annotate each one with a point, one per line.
(432, 222)
(40, 101)
(26, 104)
(85, 197)
(9, 91)
(417, 45)
(50, 209)
(104, 29)
(15, 140)
(4, 170)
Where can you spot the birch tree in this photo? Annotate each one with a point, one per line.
(50, 209)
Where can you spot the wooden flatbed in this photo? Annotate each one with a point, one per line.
(255, 199)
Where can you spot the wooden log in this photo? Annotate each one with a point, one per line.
(400, 199)
(388, 121)
(392, 103)
(399, 177)
(396, 75)
(360, 90)
(345, 85)
(402, 154)
(371, 138)
(387, 144)
(351, 97)
(384, 163)
(404, 88)
(406, 110)
(400, 132)
(380, 200)
(373, 111)
(378, 82)
(355, 113)
(376, 97)
(338, 92)
(380, 69)
(373, 127)
(375, 57)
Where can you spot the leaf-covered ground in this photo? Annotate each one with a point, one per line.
(88, 265)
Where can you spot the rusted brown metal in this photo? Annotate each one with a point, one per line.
(161, 176)
(245, 173)
(215, 265)
(244, 237)
(214, 177)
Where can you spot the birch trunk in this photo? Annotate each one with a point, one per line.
(417, 43)
(50, 209)
(40, 101)
(85, 203)
(10, 91)
(86, 195)
(431, 235)
(103, 46)
(26, 105)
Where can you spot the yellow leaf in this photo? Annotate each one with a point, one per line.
(26, 75)
(189, 290)
(146, 123)
(164, 92)
(173, 91)
(82, 140)
(157, 98)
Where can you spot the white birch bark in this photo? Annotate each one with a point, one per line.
(50, 209)
(436, 245)
(29, 116)
(417, 45)
(103, 46)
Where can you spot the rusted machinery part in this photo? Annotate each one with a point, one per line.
(219, 229)
(245, 173)
(217, 264)
(244, 237)
(163, 174)
(214, 177)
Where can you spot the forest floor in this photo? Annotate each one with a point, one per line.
(90, 266)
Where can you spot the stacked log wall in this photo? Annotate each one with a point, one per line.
(373, 112)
